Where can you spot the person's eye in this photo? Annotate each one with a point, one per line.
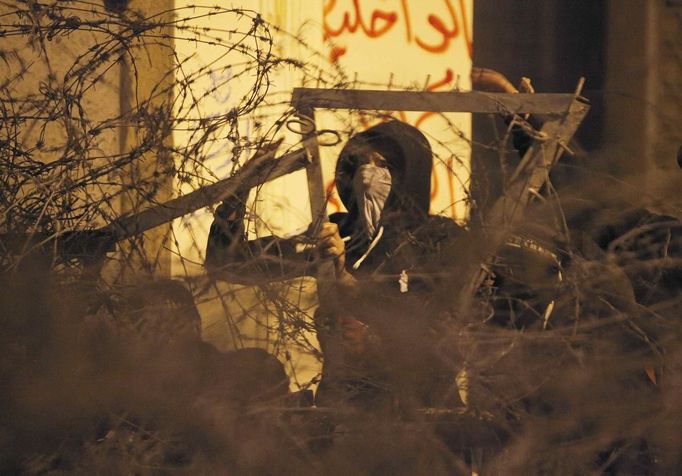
(378, 159)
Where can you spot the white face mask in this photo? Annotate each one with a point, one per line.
(371, 185)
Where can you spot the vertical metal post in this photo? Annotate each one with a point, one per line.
(326, 275)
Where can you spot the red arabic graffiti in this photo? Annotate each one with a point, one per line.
(379, 22)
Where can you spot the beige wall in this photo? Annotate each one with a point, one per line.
(59, 62)
(28, 65)
(376, 54)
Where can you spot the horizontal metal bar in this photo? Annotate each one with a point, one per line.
(475, 101)
(256, 171)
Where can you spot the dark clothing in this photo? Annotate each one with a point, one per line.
(399, 269)
(408, 238)
(645, 246)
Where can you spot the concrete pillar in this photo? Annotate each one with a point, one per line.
(665, 176)
(629, 89)
(145, 98)
(644, 99)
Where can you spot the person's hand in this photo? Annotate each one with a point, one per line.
(525, 86)
(488, 80)
(232, 208)
(331, 245)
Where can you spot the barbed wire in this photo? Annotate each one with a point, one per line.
(102, 117)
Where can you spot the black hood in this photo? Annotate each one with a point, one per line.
(409, 158)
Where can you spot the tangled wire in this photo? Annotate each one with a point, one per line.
(568, 360)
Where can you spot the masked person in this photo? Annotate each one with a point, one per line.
(390, 256)
(393, 261)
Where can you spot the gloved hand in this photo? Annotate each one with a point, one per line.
(233, 208)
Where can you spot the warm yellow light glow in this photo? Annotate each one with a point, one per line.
(377, 44)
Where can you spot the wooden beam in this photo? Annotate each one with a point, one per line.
(479, 102)
(266, 167)
(256, 171)
(326, 274)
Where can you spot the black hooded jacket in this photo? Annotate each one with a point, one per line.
(403, 273)
(408, 241)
